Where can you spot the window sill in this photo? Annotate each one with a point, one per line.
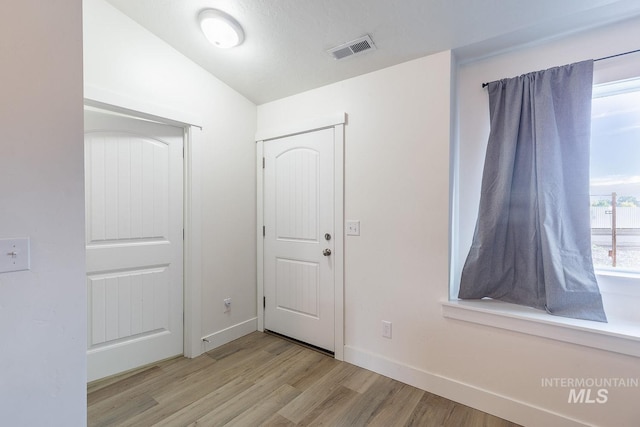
(616, 336)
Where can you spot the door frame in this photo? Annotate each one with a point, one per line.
(192, 216)
(337, 122)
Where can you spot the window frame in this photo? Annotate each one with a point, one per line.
(602, 90)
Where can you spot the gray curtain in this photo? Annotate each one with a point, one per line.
(532, 243)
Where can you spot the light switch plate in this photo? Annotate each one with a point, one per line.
(353, 228)
(14, 254)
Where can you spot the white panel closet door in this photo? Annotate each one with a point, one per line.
(133, 189)
(298, 216)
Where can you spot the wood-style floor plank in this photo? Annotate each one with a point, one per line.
(120, 414)
(310, 398)
(329, 409)
(264, 380)
(201, 407)
(277, 420)
(360, 412)
(174, 373)
(265, 407)
(397, 407)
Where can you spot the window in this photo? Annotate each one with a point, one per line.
(615, 176)
(620, 289)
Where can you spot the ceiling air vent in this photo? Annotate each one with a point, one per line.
(352, 48)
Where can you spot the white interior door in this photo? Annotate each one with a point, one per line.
(134, 238)
(298, 241)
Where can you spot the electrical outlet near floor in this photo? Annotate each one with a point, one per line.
(227, 304)
(386, 329)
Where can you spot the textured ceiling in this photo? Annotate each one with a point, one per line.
(284, 50)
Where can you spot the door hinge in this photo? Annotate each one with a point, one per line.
(264, 231)
(264, 302)
(183, 234)
(263, 162)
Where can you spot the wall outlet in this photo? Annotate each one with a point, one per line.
(227, 305)
(386, 329)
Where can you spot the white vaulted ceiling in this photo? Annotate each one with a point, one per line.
(284, 52)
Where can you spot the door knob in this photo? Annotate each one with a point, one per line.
(326, 252)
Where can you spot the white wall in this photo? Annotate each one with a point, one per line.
(122, 57)
(42, 311)
(396, 184)
(397, 159)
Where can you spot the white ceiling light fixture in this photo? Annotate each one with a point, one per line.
(220, 28)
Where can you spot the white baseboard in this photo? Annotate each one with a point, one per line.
(229, 334)
(501, 406)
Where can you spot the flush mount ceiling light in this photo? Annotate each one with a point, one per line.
(220, 28)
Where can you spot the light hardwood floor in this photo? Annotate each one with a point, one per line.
(262, 379)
